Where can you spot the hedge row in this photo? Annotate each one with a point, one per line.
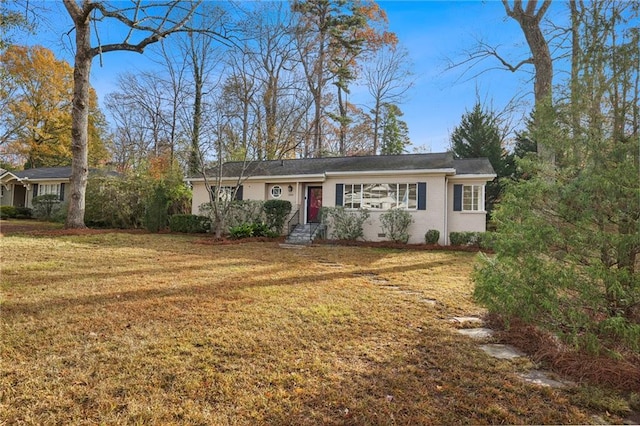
(11, 212)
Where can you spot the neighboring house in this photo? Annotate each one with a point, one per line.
(18, 189)
(440, 193)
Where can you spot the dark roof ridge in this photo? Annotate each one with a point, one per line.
(368, 156)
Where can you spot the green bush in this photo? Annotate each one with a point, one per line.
(116, 202)
(395, 224)
(239, 212)
(8, 212)
(46, 206)
(189, 223)
(432, 236)
(156, 215)
(241, 231)
(276, 212)
(344, 224)
(472, 239)
(248, 230)
(24, 213)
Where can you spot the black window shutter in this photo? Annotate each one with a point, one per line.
(239, 193)
(35, 190)
(62, 192)
(422, 195)
(339, 194)
(457, 198)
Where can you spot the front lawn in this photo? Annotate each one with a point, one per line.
(118, 328)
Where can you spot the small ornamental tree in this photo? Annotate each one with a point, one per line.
(44, 206)
(395, 224)
(345, 224)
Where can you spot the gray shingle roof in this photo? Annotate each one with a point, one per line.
(44, 173)
(473, 166)
(50, 173)
(315, 166)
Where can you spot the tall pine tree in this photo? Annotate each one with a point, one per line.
(395, 132)
(479, 135)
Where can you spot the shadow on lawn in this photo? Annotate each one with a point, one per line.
(170, 287)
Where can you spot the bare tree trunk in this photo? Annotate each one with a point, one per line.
(376, 127)
(176, 15)
(343, 122)
(529, 20)
(80, 119)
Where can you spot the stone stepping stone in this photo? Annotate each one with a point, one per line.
(501, 351)
(431, 302)
(542, 378)
(476, 333)
(467, 320)
(391, 287)
(292, 246)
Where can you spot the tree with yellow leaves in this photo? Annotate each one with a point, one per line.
(36, 93)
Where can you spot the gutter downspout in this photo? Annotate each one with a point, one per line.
(446, 207)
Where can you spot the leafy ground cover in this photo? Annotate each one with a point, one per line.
(119, 328)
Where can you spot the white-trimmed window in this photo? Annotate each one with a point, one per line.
(276, 191)
(472, 197)
(380, 196)
(49, 188)
(224, 193)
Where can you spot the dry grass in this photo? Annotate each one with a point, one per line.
(157, 329)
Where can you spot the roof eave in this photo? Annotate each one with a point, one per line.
(446, 171)
(486, 176)
(317, 176)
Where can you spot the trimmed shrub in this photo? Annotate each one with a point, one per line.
(8, 212)
(395, 224)
(432, 236)
(473, 239)
(24, 213)
(276, 212)
(344, 224)
(189, 223)
(239, 212)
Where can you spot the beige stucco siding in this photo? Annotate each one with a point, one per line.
(423, 220)
(438, 214)
(6, 199)
(253, 189)
(465, 221)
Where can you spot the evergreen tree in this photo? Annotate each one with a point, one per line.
(567, 243)
(479, 135)
(395, 132)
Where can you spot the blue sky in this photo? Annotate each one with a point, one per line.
(432, 32)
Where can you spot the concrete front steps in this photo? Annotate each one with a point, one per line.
(303, 234)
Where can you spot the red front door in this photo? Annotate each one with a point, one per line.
(314, 203)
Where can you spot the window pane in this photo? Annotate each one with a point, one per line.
(467, 192)
(352, 196)
(380, 196)
(471, 197)
(476, 197)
